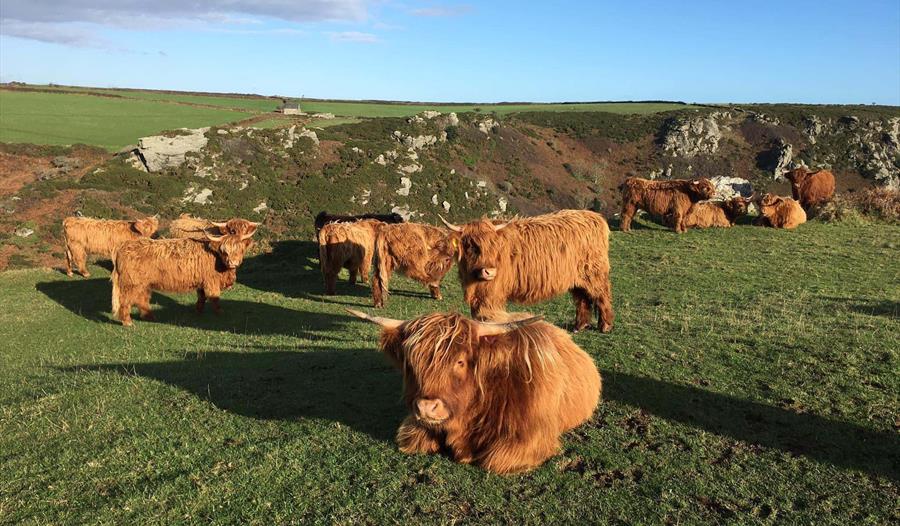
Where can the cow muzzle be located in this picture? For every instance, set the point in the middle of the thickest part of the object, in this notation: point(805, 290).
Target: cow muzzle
point(487, 274)
point(431, 411)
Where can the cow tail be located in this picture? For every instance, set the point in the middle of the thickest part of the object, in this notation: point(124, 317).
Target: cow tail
point(114, 277)
point(323, 252)
point(381, 275)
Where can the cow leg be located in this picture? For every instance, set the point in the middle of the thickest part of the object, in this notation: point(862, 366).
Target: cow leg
point(520, 456)
point(414, 439)
point(603, 301)
point(201, 300)
point(68, 261)
point(126, 299)
point(79, 255)
point(435, 290)
point(628, 211)
point(330, 282)
point(353, 271)
point(214, 301)
point(143, 305)
point(364, 268)
point(380, 284)
point(582, 309)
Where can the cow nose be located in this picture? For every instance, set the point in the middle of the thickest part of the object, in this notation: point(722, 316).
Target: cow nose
point(431, 409)
point(488, 273)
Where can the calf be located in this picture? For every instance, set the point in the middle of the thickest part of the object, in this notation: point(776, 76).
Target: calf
point(497, 395)
point(811, 188)
point(421, 252)
point(722, 214)
point(780, 212)
point(85, 236)
point(175, 265)
point(533, 259)
point(662, 198)
point(347, 245)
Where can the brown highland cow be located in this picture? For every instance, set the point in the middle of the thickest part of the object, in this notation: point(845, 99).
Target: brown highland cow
point(662, 198)
point(190, 227)
point(85, 236)
point(497, 395)
point(350, 246)
point(780, 212)
point(175, 265)
point(421, 252)
point(811, 188)
point(533, 259)
point(323, 218)
point(723, 214)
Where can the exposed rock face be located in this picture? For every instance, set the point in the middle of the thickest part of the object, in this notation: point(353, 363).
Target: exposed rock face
point(309, 133)
point(696, 136)
point(404, 212)
point(446, 206)
point(386, 157)
point(260, 208)
point(159, 152)
point(325, 116)
point(405, 185)
point(487, 125)
point(878, 151)
point(192, 195)
point(783, 155)
point(728, 187)
point(419, 142)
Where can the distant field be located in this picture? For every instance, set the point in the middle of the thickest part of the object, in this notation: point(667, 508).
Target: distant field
point(50, 118)
point(376, 109)
point(256, 104)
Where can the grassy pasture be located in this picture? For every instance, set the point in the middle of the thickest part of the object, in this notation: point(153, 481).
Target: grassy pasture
point(751, 378)
point(111, 123)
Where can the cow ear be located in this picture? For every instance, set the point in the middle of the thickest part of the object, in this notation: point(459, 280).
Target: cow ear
point(252, 230)
point(484, 328)
point(386, 323)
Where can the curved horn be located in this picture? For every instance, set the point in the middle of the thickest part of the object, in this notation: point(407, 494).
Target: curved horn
point(211, 237)
point(450, 225)
point(387, 323)
point(218, 224)
point(498, 228)
point(485, 328)
point(247, 236)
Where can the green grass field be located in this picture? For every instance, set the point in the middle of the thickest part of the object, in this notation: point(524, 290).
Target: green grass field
point(375, 109)
point(751, 378)
point(51, 118)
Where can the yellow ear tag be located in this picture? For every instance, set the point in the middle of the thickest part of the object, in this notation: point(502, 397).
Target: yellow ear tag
point(454, 242)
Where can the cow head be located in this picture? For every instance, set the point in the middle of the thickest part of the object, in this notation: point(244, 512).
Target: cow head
point(146, 227)
point(236, 226)
point(737, 206)
point(797, 175)
point(480, 247)
point(702, 189)
point(230, 248)
point(447, 361)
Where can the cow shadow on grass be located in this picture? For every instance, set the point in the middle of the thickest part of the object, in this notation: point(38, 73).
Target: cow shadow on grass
point(871, 307)
point(355, 387)
point(91, 298)
point(841, 444)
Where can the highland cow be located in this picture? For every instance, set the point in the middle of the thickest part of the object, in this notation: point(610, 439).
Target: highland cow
point(85, 236)
point(780, 212)
point(496, 395)
point(175, 265)
point(723, 214)
point(811, 188)
point(350, 246)
point(533, 259)
point(662, 198)
point(324, 218)
point(190, 227)
point(421, 252)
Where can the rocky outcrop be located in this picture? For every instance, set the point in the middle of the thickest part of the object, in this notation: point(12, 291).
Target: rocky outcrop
point(782, 155)
point(728, 187)
point(158, 152)
point(694, 136)
point(487, 126)
point(878, 151)
point(405, 185)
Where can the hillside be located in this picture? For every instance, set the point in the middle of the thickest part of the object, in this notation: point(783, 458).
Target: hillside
point(460, 164)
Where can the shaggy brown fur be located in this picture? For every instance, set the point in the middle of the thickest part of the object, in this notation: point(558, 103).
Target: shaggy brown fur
point(499, 401)
point(811, 188)
point(324, 218)
point(190, 227)
point(174, 265)
point(536, 258)
point(85, 236)
point(421, 252)
point(347, 245)
point(662, 198)
point(780, 212)
point(722, 214)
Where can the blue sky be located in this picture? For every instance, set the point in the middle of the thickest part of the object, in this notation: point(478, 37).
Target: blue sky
point(701, 51)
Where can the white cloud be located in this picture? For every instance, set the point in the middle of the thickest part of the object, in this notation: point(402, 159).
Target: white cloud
point(74, 35)
point(353, 36)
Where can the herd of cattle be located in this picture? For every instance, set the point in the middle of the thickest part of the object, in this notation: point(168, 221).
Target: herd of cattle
point(497, 389)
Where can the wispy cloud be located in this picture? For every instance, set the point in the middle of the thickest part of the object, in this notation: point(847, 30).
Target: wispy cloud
point(353, 36)
point(73, 35)
point(443, 10)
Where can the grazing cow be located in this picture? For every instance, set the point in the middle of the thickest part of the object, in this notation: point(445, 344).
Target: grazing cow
point(347, 245)
point(85, 236)
point(190, 227)
point(811, 188)
point(780, 212)
point(497, 395)
point(533, 259)
point(662, 198)
point(175, 265)
point(324, 218)
point(421, 252)
point(722, 214)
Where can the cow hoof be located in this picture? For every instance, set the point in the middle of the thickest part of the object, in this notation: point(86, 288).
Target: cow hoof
point(127, 323)
point(606, 328)
point(580, 328)
point(87, 274)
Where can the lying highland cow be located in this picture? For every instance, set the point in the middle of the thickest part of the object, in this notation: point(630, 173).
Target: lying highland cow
point(662, 198)
point(533, 259)
point(723, 214)
point(175, 265)
point(420, 252)
point(85, 236)
point(347, 245)
point(324, 218)
point(189, 227)
point(780, 212)
point(811, 188)
point(497, 395)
